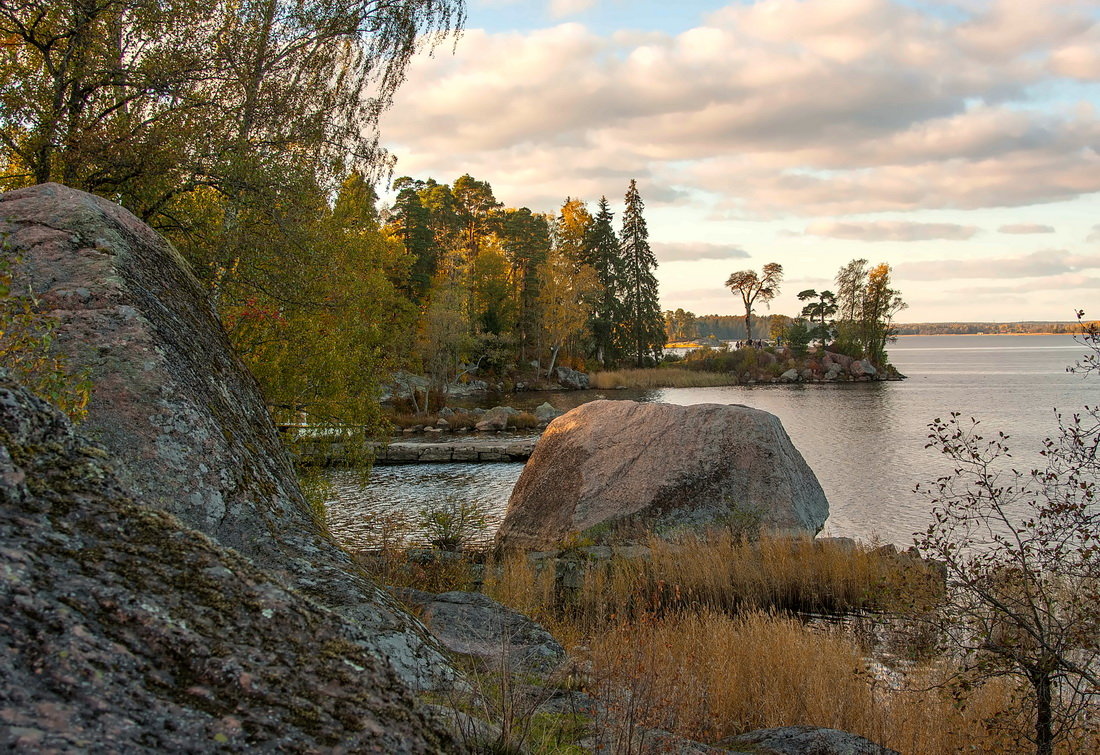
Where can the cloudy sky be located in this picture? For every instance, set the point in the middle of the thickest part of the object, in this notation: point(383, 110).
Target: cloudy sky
point(957, 140)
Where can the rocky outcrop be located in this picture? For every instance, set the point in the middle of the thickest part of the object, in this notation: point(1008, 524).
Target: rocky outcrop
point(803, 740)
point(179, 412)
point(121, 630)
point(572, 379)
point(614, 468)
point(474, 624)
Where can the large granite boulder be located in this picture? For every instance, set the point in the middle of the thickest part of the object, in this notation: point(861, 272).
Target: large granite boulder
point(615, 469)
point(179, 412)
point(122, 630)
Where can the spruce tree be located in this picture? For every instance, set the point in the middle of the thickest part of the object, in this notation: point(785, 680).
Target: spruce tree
point(643, 332)
point(602, 253)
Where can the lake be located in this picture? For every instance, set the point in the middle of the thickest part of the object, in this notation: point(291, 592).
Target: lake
point(864, 441)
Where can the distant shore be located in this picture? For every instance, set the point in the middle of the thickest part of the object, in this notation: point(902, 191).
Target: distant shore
point(927, 335)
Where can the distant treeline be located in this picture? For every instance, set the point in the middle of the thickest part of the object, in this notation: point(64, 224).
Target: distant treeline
point(732, 327)
point(991, 328)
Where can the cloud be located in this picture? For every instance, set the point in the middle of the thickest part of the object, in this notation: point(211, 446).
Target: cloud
point(1095, 235)
point(1062, 282)
point(1043, 264)
point(696, 250)
point(1025, 228)
point(774, 108)
point(891, 230)
point(565, 8)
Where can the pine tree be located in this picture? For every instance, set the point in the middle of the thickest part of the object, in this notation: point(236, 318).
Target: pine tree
point(602, 253)
point(643, 331)
point(410, 222)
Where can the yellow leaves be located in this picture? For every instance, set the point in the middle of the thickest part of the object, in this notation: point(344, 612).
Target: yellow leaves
point(26, 349)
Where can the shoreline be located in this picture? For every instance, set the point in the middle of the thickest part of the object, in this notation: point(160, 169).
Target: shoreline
point(938, 335)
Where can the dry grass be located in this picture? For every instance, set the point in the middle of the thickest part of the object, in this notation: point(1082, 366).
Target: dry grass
point(659, 377)
point(721, 572)
point(697, 639)
point(707, 676)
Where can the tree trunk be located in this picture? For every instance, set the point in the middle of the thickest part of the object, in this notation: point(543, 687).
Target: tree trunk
point(553, 359)
point(1044, 737)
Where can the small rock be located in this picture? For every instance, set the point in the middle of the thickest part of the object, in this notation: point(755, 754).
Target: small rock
point(496, 419)
point(474, 624)
point(799, 740)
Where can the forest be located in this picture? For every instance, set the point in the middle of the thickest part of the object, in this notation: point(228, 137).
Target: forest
point(247, 134)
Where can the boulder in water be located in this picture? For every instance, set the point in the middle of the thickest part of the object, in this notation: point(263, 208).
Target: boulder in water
point(615, 468)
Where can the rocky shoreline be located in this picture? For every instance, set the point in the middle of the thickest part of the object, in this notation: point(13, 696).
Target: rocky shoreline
point(165, 584)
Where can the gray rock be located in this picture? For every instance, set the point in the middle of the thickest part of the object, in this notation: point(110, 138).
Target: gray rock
point(126, 631)
point(790, 376)
point(861, 368)
point(804, 740)
point(842, 360)
point(546, 412)
point(621, 465)
point(474, 624)
point(572, 379)
point(177, 409)
point(496, 419)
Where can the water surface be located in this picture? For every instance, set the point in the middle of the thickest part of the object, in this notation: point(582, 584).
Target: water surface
point(864, 441)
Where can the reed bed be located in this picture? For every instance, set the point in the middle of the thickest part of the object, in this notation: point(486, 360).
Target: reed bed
point(659, 377)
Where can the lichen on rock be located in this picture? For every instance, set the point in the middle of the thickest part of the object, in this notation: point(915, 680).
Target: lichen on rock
point(181, 416)
point(122, 630)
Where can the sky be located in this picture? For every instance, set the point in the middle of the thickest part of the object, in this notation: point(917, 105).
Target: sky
point(956, 140)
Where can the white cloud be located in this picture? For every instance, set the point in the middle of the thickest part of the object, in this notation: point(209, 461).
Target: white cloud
point(891, 230)
point(803, 107)
point(1042, 264)
point(1025, 228)
point(698, 250)
point(566, 8)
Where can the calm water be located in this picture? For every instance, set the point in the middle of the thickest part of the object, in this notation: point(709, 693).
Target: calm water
point(864, 441)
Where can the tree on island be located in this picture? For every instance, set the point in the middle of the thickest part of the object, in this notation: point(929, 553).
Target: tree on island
point(819, 308)
point(866, 306)
point(756, 288)
point(643, 329)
